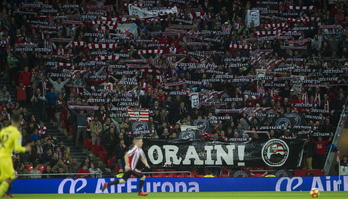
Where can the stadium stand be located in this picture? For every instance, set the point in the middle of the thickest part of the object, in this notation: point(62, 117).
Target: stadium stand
point(252, 69)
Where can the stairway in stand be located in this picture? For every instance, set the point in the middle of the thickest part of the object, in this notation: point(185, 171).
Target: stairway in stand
point(75, 152)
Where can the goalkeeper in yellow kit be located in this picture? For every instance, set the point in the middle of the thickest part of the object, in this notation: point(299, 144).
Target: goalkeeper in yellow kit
point(10, 140)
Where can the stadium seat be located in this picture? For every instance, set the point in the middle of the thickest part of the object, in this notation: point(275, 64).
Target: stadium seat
point(87, 143)
point(71, 130)
point(95, 149)
point(224, 175)
point(63, 124)
point(110, 161)
point(186, 175)
point(41, 167)
point(159, 170)
point(29, 168)
point(117, 167)
point(305, 172)
point(170, 175)
point(103, 155)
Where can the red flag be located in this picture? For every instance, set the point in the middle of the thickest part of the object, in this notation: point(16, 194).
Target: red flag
point(338, 156)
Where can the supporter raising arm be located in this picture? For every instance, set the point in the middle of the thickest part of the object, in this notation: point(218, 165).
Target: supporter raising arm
point(59, 84)
point(81, 122)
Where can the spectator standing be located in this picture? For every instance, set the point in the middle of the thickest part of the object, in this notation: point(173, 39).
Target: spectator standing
point(109, 140)
point(21, 95)
point(25, 79)
point(12, 69)
point(320, 149)
point(81, 121)
point(51, 100)
point(5, 96)
point(96, 130)
point(120, 151)
point(59, 84)
point(38, 100)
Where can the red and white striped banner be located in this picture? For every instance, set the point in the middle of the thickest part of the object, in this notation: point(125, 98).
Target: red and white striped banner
point(115, 19)
point(236, 46)
point(140, 52)
point(107, 57)
point(125, 19)
point(106, 28)
point(330, 27)
point(300, 7)
point(76, 44)
point(98, 46)
point(198, 14)
point(64, 64)
point(113, 23)
point(276, 25)
point(138, 114)
point(299, 41)
point(83, 107)
point(207, 94)
point(73, 22)
point(135, 4)
point(304, 19)
point(274, 32)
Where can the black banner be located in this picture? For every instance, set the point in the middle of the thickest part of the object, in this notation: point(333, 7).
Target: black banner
point(255, 153)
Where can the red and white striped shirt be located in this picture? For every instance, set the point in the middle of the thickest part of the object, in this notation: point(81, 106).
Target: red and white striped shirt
point(42, 130)
point(133, 157)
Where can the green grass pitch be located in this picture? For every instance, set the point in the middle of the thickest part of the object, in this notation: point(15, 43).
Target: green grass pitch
point(201, 195)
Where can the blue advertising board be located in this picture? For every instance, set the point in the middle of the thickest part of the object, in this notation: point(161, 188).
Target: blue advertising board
point(93, 185)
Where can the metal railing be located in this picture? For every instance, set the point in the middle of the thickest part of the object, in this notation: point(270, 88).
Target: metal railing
point(94, 174)
point(330, 159)
point(182, 172)
point(57, 174)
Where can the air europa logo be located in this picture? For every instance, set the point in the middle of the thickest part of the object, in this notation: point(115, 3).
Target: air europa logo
point(275, 153)
point(73, 183)
point(289, 185)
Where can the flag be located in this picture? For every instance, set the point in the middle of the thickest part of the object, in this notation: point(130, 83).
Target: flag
point(338, 156)
point(138, 114)
point(129, 28)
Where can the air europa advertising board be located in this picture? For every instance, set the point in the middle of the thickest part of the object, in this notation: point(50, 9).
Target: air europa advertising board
point(94, 185)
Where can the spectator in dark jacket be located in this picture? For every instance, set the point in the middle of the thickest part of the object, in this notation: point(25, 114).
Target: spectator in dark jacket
point(81, 121)
point(47, 156)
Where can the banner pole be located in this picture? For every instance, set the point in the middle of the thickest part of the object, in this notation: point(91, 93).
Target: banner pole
point(339, 170)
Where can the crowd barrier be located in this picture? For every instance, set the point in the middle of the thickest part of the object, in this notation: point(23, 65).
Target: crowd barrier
point(93, 185)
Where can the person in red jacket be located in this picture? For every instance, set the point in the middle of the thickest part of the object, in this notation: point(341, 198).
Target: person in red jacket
point(25, 78)
point(21, 94)
point(277, 97)
point(84, 172)
point(320, 150)
point(298, 101)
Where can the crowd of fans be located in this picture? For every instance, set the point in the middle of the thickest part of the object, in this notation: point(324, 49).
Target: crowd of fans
point(82, 65)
